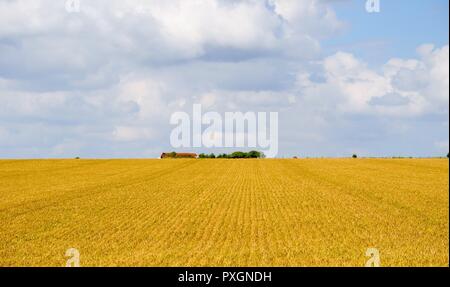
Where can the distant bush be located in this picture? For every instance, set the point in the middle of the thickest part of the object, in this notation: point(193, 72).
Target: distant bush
point(240, 154)
point(354, 156)
point(255, 154)
point(173, 155)
point(224, 155)
point(235, 155)
point(202, 155)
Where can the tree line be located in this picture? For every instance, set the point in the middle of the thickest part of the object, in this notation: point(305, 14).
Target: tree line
point(237, 154)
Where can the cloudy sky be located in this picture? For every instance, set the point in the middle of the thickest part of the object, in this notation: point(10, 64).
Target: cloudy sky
point(104, 82)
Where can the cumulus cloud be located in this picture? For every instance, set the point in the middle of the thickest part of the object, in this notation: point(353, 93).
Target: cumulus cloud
point(104, 82)
point(124, 133)
point(412, 87)
point(41, 41)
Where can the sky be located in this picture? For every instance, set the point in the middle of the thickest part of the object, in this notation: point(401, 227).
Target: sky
point(104, 81)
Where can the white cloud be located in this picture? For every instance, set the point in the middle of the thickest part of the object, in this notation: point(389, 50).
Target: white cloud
point(99, 81)
point(39, 39)
point(126, 133)
point(197, 24)
point(411, 87)
point(145, 94)
point(309, 17)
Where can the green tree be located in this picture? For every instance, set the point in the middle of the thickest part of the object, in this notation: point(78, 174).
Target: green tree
point(237, 154)
point(254, 154)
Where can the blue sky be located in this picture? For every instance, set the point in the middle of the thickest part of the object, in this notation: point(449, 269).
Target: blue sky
point(104, 81)
point(397, 31)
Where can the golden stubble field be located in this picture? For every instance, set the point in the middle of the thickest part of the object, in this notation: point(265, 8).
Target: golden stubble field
point(317, 212)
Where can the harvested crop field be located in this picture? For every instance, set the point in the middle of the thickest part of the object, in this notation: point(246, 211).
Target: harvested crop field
point(316, 212)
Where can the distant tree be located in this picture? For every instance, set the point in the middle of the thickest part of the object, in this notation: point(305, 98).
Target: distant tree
point(77, 157)
point(173, 154)
point(254, 154)
point(237, 154)
point(355, 156)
